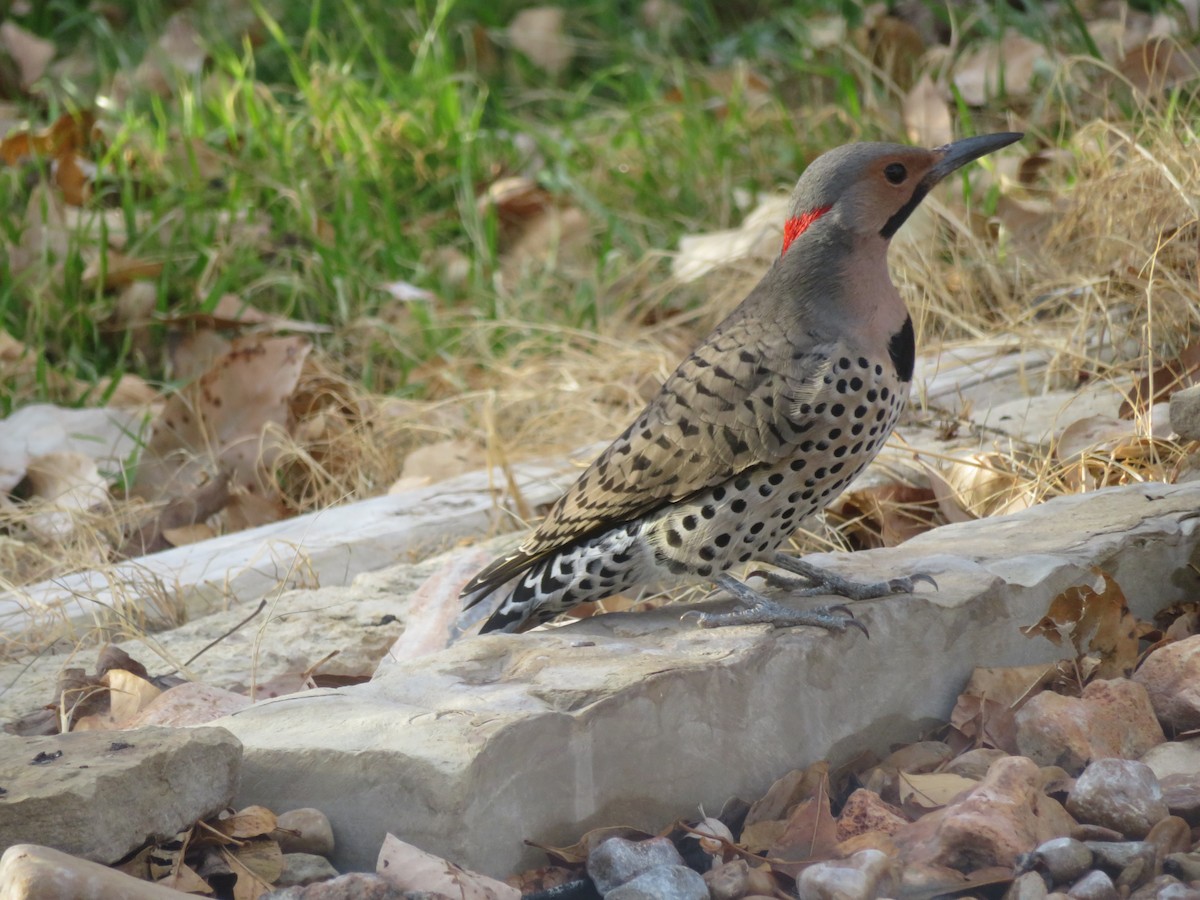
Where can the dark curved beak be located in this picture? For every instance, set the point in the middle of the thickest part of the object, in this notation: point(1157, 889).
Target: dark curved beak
point(956, 155)
point(950, 158)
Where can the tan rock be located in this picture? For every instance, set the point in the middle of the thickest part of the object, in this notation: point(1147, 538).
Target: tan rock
point(1112, 719)
point(30, 872)
point(1171, 676)
point(1005, 816)
point(865, 812)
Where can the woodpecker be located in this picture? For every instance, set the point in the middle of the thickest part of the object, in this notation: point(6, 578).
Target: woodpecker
point(767, 421)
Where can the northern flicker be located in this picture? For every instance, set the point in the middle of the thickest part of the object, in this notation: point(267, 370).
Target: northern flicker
point(768, 420)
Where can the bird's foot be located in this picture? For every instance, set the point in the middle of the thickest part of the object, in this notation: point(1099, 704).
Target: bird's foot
point(815, 582)
point(757, 609)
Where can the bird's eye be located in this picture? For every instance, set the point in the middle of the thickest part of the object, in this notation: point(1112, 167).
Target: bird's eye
point(895, 173)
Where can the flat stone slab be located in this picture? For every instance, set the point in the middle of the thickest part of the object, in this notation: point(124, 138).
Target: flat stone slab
point(637, 718)
point(102, 794)
point(323, 548)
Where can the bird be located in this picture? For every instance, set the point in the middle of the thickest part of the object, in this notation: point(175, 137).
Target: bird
point(767, 420)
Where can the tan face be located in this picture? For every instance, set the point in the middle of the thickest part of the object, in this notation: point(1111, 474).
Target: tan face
point(888, 184)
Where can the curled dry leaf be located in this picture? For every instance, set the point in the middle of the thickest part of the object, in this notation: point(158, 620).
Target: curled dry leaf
point(224, 420)
point(129, 694)
point(409, 868)
point(1093, 622)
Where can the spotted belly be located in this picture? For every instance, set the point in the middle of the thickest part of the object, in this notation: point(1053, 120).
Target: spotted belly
point(751, 515)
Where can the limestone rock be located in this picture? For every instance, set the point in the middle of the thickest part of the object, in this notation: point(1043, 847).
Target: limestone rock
point(1171, 676)
point(457, 746)
point(150, 782)
point(1121, 794)
point(30, 872)
point(1112, 718)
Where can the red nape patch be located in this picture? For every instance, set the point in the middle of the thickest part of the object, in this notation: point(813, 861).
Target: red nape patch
point(793, 228)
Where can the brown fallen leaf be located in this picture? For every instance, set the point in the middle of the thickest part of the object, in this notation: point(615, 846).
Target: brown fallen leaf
point(224, 421)
point(1158, 386)
point(1095, 623)
point(187, 511)
point(69, 483)
point(919, 793)
point(114, 269)
point(129, 694)
point(809, 836)
point(1158, 65)
point(231, 311)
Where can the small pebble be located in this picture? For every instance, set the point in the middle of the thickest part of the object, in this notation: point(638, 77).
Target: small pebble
point(1030, 886)
point(662, 883)
point(618, 861)
point(1063, 859)
point(1114, 856)
point(305, 868)
point(1121, 794)
point(315, 832)
point(728, 881)
point(858, 877)
point(1094, 885)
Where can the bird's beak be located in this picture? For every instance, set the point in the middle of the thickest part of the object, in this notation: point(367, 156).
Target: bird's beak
point(956, 155)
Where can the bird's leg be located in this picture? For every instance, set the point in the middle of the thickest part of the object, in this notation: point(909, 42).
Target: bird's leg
point(814, 581)
point(758, 609)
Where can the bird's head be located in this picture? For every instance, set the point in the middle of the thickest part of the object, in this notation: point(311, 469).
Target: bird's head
point(871, 189)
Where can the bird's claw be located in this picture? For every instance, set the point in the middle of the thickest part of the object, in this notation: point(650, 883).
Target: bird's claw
point(907, 585)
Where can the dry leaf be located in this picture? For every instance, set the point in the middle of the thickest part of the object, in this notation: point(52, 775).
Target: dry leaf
point(926, 114)
point(810, 834)
point(409, 868)
point(116, 269)
point(1004, 67)
point(538, 33)
point(69, 483)
point(31, 53)
point(445, 459)
point(1093, 623)
point(578, 852)
point(1165, 380)
point(128, 695)
point(250, 885)
point(251, 822)
point(231, 311)
point(923, 792)
point(224, 420)
point(1159, 64)
point(179, 50)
